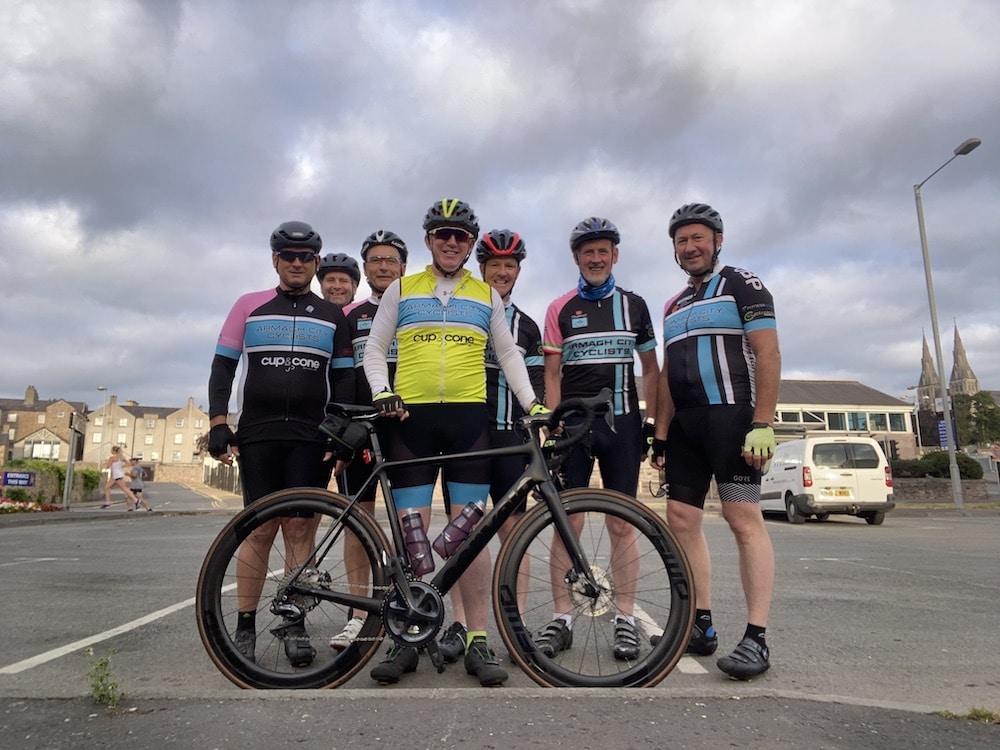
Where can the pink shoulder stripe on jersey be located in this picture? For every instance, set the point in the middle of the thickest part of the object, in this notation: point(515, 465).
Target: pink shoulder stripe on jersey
point(230, 342)
point(552, 339)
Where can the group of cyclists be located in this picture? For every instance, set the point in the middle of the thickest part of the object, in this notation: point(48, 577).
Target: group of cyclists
point(454, 363)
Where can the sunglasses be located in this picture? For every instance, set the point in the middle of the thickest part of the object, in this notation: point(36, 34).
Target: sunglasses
point(302, 256)
point(446, 234)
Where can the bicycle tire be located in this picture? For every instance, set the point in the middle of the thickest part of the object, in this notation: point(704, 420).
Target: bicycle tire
point(216, 600)
point(663, 596)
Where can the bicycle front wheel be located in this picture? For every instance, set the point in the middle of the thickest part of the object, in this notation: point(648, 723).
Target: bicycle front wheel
point(321, 555)
point(640, 569)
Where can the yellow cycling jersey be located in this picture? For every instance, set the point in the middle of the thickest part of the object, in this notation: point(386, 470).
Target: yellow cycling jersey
point(441, 347)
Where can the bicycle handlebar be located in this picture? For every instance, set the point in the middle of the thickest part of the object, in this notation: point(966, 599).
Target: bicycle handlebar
point(589, 407)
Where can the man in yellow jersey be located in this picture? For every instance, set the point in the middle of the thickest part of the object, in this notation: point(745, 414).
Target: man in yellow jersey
point(441, 319)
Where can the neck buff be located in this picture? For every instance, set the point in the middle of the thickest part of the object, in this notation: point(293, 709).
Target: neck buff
point(590, 292)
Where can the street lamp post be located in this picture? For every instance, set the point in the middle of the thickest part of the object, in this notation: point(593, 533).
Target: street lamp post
point(956, 483)
point(104, 424)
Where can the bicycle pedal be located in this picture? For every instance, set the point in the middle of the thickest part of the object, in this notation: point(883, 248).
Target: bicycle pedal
point(434, 652)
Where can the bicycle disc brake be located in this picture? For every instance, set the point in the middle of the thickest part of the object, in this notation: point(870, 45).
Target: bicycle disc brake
point(417, 626)
point(589, 602)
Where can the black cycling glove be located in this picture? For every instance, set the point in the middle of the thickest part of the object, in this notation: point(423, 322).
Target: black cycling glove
point(220, 438)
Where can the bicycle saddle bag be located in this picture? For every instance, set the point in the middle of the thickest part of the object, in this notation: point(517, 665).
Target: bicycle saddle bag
point(348, 436)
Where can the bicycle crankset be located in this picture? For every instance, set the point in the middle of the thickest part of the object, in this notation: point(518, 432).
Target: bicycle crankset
point(416, 626)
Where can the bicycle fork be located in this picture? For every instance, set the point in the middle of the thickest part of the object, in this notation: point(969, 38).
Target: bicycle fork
point(580, 573)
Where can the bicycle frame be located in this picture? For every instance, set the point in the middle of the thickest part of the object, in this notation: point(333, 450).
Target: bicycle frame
point(536, 476)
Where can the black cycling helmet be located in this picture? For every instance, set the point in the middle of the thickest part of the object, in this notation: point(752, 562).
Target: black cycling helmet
point(383, 237)
point(451, 212)
point(500, 243)
point(339, 262)
point(594, 228)
point(695, 213)
point(293, 234)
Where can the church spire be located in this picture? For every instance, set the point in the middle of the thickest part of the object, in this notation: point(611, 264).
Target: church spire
point(963, 379)
point(927, 388)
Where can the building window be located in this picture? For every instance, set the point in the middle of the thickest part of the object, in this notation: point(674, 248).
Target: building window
point(12, 417)
point(154, 456)
point(897, 423)
point(836, 420)
point(96, 438)
point(811, 417)
point(177, 457)
point(879, 421)
point(789, 416)
point(123, 422)
point(150, 424)
point(148, 440)
point(40, 419)
point(44, 449)
point(179, 438)
point(857, 420)
point(121, 438)
point(179, 422)
point(99, 421)
point(60, 414)
point(199, 423)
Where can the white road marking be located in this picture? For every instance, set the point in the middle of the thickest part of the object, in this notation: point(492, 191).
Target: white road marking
point(76, 646)
point(28, 560)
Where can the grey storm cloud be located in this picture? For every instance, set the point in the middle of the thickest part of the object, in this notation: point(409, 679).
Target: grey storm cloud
point(149, 148)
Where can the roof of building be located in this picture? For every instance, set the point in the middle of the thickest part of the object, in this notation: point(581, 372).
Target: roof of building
point(834, 392)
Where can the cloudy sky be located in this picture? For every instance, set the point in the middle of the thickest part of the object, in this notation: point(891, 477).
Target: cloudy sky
point(148, 149)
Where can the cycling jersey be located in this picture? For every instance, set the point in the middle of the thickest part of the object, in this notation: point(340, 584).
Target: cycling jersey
point(441, 344)
point(503, 407)
point(597, 341)
point(295, 353)
point(359, 317)
point(704, 338)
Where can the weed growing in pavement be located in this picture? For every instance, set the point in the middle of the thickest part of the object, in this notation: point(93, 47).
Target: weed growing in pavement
point(103, 687)
point(976, 713)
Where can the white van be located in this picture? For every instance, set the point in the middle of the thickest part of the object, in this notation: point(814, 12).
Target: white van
point(817, 476)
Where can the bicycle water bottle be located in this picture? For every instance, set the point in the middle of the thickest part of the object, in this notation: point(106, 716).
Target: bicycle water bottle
point(417, 544)
point(458, 528)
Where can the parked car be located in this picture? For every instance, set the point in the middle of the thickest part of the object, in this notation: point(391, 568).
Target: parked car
point(817, 476)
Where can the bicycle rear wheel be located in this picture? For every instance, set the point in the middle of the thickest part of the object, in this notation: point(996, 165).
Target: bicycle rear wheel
point(645, 574)
point(319, 589)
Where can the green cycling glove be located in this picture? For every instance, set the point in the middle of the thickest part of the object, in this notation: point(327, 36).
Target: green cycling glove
point(760, 442)
point(538, 409)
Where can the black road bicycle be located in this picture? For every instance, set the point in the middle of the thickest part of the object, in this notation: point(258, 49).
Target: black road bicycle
point(658, 589)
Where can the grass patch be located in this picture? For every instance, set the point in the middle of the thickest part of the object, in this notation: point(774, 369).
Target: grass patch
point(976, 713)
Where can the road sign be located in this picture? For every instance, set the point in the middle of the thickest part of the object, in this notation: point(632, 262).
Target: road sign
point(19, 479)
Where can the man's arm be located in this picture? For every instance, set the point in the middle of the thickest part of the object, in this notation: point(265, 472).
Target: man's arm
point(220, 388)
point(380, 337)
point(767, 373)
point(553, 378)
point(650, 381)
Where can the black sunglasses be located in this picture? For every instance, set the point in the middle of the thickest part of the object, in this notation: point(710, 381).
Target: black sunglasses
point(302, 256)
point(448, 233)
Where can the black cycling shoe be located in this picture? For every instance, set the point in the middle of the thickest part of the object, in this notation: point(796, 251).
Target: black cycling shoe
point(747, 660)
point(701, 643)
point(245, 641)
point(555, 638)
point(626, 640)
point(482, 662)
point(299, 651)
point(452, 643)
point(399, 660)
